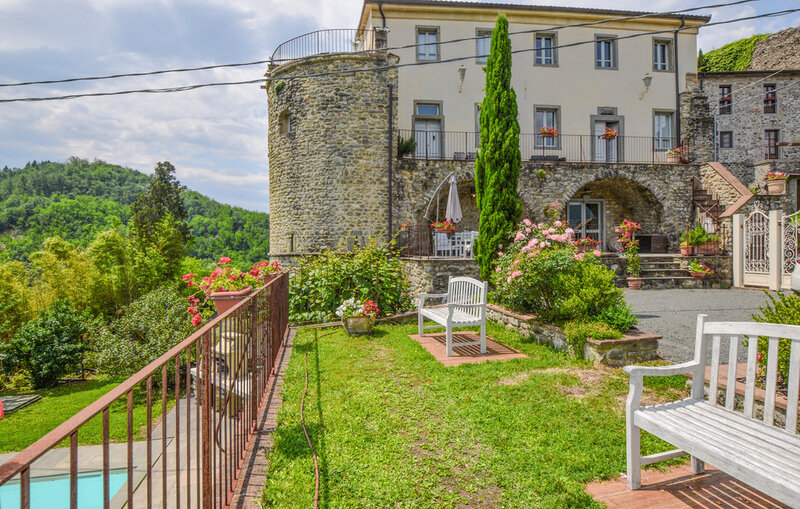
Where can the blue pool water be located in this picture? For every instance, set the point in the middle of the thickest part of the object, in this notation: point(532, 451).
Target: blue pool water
point(53, 492)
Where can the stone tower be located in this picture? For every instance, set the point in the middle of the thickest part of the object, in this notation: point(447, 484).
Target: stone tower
point(328, 152)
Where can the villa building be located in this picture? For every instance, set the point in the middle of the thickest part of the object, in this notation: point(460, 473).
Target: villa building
point(367, 125)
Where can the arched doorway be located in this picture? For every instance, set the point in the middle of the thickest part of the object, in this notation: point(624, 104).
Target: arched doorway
point(596, 208)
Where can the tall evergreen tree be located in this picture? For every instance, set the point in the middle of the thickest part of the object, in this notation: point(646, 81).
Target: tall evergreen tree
point(162, 198)
point(498, 163)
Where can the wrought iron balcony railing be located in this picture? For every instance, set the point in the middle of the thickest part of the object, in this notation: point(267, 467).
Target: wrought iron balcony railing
point(337, 40)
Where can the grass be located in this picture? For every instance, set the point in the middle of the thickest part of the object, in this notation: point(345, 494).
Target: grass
point(27, 425)
point(394, 428)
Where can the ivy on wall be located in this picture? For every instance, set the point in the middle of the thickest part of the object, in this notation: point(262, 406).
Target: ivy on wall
point(735, 56)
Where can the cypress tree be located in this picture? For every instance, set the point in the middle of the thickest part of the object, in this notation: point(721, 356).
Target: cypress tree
point(498, 162)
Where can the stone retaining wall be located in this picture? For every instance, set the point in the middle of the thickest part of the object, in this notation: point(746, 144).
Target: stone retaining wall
point(634, 347)
point(430, 275)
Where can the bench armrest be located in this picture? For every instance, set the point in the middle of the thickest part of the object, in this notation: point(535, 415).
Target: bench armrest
point(424, 296)
point(455, 304)
point(677, 369)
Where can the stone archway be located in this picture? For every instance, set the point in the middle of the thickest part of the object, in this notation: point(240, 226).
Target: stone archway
point(617, 198)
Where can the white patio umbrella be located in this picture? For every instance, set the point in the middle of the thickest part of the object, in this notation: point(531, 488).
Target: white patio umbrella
point(453, 211)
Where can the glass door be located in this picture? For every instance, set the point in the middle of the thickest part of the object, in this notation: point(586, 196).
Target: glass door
point(586, 218)
point(427, 134)
point(605, 150)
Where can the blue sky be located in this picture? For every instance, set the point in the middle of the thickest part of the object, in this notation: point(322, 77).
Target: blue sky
point(215, 137)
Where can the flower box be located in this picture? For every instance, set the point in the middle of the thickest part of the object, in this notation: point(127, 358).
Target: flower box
point(776, 186)
point(673, 158)
point(223, 301)
point(709, 248)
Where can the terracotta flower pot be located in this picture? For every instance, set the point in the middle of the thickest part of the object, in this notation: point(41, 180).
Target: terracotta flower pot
point(359, 325)
point(635, 283)
point(223, 301)
point(673, 158)
point(687, 250)
point(709, 248)
point(776, 186)
point(609, 136)
point(698, 275)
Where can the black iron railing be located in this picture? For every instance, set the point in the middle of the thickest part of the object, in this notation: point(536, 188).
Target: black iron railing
point(463, 145)
point(210, 390)
point(337, 40)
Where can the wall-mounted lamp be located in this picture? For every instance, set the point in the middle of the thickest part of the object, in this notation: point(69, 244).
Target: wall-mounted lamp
point(462, 73)
point(647, 80)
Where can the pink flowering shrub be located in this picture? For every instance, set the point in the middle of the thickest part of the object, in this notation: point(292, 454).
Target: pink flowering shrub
point(544, 272)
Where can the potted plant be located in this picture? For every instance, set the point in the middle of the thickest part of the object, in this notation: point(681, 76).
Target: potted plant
point(686, 248)
point(630, 248)
point(609, 134)
point(406, 146)
point(358, 319)
point(692, 239)
point(587, 245)
point(548, 132)
point(226, 285)
point(444, 226)
point(710, 246)
point(699, 270)
point(674, 155)
point(776, 182)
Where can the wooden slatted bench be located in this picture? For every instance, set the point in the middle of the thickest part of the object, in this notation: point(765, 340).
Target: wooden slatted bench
point(755, 451)
point(464, 306)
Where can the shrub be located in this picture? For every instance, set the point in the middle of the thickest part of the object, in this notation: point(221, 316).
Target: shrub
point(148, 327)
point(783, 309)
point(542, 273)
point(49, 347)
point(578, 331)
point(321, 283)
point(406, 146)
point(620, 317)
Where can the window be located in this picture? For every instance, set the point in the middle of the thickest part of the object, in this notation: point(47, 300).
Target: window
point(427, 40)
point(427, 109)
point(605, 52)
point(771, 148)
point(662, 55)
point(770, 99)
point(726, 139)
point(484, 45)
point(285, 123)
point(725, 100)
point(662, 131)
point(546, 116)
point(545, 53)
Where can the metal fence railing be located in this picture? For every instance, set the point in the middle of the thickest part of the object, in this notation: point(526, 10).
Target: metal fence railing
point(210, 390)
point(463, 145)
point(336, 40)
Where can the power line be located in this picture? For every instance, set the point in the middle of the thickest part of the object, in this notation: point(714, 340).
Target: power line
point(392, 48)
point(378, 68)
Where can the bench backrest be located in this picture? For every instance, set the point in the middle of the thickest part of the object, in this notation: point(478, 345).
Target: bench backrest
point(737, 335)
point(466, 290)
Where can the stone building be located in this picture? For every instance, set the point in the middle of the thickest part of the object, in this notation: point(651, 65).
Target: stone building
point(335, 172)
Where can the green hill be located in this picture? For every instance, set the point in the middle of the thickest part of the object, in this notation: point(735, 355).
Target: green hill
point(77, 199)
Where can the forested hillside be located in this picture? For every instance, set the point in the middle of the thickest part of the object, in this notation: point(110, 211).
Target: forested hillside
point(78, 199)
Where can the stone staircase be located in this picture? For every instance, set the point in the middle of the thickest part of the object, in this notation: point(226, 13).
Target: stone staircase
point(660, 271)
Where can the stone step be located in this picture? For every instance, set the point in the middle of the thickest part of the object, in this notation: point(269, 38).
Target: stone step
point(673, 282)
point(676, 272)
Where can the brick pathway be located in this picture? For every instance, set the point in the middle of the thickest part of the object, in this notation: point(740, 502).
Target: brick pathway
point(254, 469)
point(435, 344)
point(679, 488)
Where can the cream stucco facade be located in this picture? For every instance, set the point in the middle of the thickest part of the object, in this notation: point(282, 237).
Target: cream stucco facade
point(578, 94)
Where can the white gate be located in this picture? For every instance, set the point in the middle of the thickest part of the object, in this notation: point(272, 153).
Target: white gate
point(791, 230)
point(756, 250)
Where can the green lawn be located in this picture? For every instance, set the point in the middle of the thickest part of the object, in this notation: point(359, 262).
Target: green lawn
point(394, 428)
point(25, 426)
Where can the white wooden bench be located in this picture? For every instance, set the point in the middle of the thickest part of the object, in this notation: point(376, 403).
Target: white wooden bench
point(464, 306)
point(755, 451)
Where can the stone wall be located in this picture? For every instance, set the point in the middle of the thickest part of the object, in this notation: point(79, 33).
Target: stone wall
point(697, 123)
point(430, 275)
point(778, 51)
point(747, 119)
point(328, 163)
point(657, 195)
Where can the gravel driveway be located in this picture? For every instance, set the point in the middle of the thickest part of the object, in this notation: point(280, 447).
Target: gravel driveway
point(673, 314)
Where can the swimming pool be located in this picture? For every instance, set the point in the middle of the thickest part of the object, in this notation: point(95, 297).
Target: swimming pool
point(53, 492)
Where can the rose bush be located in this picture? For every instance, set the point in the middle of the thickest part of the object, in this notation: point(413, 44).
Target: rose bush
point(543, 272)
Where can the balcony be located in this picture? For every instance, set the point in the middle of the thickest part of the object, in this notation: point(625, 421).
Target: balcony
point(337, 40)
point(574, 148)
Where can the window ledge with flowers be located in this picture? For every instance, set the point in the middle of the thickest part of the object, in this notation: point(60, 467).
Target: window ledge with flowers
point(554, 288)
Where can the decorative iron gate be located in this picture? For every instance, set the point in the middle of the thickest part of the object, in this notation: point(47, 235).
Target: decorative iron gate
point(756, 249)
point(791, 231)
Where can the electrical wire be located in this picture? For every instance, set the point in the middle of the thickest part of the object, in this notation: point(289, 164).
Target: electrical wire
point(379, 68)
point(391, 48)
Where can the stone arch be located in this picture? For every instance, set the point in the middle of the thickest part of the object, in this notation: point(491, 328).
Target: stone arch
point(631, 175)
point(462, 177)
